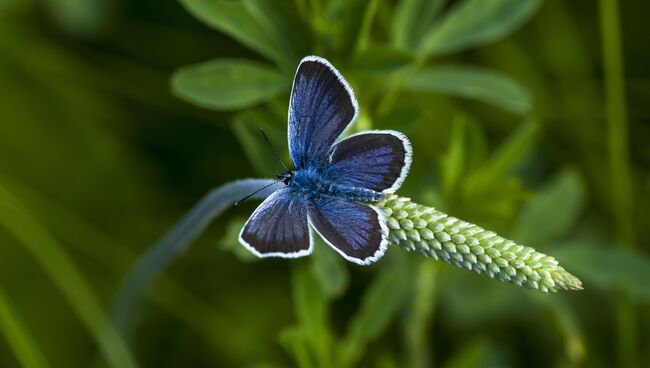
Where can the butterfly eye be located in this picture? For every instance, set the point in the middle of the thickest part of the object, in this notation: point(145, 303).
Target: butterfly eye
point(285, 177)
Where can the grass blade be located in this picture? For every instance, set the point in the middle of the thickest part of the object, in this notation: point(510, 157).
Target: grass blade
point(176, 241)
point(18, 338)
point(56, 263)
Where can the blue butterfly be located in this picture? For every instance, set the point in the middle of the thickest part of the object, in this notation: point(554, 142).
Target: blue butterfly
point(333, 183)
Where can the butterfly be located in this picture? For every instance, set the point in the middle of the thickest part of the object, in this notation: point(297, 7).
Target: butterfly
point(334, 181)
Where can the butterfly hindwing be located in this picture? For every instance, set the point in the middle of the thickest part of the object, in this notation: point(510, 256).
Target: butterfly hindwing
point(321, 106)
point(375, 160)
point(278, 227)
point(356, 230)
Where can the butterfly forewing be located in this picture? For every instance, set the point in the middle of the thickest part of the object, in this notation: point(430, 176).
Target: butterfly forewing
point(322, 105)
point(376, 160)
point(355, 230)
point(278, 227)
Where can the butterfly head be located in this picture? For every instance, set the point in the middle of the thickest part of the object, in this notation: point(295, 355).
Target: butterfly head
point(285, 177)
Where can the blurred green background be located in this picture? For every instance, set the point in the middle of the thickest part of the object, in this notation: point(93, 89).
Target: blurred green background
point(530, 118)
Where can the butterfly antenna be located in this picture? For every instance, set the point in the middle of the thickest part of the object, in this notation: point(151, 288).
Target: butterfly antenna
point(255, 192)
point(277, 155)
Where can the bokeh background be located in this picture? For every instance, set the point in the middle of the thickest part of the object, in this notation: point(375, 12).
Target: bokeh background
point(530, 118)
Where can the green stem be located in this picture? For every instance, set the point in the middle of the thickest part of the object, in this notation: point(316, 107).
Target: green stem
point(177, 239)
point(418, 323)
point(617, 129)
point(620, 172)
point(364, 34)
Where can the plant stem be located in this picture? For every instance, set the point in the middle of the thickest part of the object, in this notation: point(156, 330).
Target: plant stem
point(177, 239)
point(418, 323)
point(620, 172)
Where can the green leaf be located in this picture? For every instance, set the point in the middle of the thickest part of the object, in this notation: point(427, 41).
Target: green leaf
point(294, 339)
point(476, 22)
point(412, 19)
point(507, 156)
point(552, 211)
point(232, 18)
point(280, 20)
point(312, 310)
point(227, 84)
point(344, 23)
point(608, 267)
point(246, 127)
point(379, 306)
point(19, 339)
point(380, 59)
point(476, 83)
point(329, 270)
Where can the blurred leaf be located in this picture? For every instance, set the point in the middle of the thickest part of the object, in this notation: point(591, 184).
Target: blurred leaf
point(476, 22)
point(505, 158)
point(405, 116)
point(227, 84)
point(246, 126)
point(552, 211)
point(312, 309)
point(380, 59)
point(477, 146)
point(343, 24)
point(281, 20)
point(230, 241)
point(18, 338)
point(453, 162)
point(363, 39)
point(412, 19)
point(471, 301)
point(568, 323)
point(329, 270)
point(79, 17)
point(65, 275)
point(295, 341)
point(476, 83)
point(608, 267)
point(478, 353)
point(232, 18)
point(379, 306)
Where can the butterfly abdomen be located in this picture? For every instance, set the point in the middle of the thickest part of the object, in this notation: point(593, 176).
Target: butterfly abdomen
point(314, 184)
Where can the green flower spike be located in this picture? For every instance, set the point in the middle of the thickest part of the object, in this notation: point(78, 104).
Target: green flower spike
point(435, 234)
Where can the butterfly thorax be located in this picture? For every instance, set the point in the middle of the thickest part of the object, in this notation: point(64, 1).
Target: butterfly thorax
point(314, 183)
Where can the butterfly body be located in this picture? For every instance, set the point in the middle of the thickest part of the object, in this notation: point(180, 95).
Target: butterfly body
point(317, 183)
point(334, 181)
